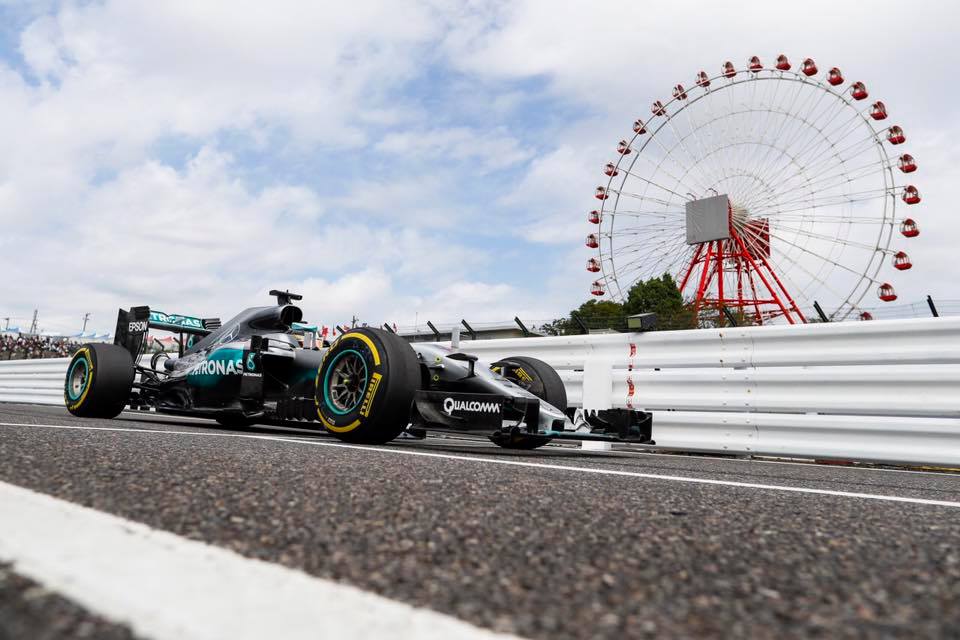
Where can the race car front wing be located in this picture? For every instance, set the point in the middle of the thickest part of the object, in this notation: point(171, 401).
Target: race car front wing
point(490, 413)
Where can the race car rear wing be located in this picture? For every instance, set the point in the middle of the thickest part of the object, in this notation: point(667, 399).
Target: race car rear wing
point(132, 327)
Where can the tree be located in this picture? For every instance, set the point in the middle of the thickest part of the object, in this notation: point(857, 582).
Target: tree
point(657, 295)
point(594, 314)
point(602, 314)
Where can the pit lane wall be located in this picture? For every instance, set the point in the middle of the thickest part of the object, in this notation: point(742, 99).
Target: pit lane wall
point(880, 391)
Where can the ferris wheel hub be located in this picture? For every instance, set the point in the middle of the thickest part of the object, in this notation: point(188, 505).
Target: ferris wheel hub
point(708, 219)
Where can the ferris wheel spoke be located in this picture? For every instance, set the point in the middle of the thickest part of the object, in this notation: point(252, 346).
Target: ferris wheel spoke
point(775, 170)
point(713, 168)
point(695, 174)
point(773, 213)
point(808, 251)
point(666, 242)
point(708, 126)
point(651, 182)
point(637, 228)
point(825, 178)
point(820, 236)
point(671, 243)
point(681, 140)
point(788, 120)
point(793, 123)
point(652, 260)
point(638, 231)
point(803, 125)
point(820, 113)
point(825, 185)
point(657, 169)
point(662, 213)
point(818, 278)
point(765, 179)
point(862, 196)
point(839, 153)
point(729, 129)
point(825, 219)
point(668, 153)
point(638, 196)
point(755, 243)
point(768, 111)
point(772, 166)
point(819, 121)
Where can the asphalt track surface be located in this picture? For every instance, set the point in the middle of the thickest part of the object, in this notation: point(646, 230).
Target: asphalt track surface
point(556, 543)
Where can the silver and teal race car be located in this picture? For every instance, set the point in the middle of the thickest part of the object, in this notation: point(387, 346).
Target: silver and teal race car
point(265, 366)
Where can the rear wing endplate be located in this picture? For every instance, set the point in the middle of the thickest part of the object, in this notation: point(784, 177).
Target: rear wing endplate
point(132, 327)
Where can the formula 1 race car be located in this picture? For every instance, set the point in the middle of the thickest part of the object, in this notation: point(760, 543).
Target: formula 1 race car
point(369, 386)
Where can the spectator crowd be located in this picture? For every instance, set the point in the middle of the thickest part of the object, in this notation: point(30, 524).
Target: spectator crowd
point(22, 347)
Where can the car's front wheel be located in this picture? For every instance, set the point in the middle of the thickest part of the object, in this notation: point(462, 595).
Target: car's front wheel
point(365, 386)
point(540, 379)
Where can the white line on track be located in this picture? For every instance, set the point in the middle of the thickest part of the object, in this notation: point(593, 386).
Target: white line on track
point(516, 463)
point(144, 416)
point(168, 587)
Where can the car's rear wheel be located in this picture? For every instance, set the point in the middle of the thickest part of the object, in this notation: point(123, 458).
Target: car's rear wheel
point(365, 386)
point(99, 380)
point(540, 379)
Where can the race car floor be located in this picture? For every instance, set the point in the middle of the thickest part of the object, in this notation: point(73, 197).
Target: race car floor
point(554, 543)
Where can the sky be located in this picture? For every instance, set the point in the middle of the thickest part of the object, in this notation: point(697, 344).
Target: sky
point(395, 161)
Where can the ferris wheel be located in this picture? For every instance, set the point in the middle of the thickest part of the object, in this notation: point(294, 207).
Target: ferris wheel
point(768, 191)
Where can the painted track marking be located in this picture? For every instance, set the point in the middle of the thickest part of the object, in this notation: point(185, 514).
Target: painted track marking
point(165, 586)
point(516, 463)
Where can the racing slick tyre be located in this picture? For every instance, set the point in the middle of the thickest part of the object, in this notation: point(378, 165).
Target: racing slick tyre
point(540, 379)
point(99, 380)
point(365, 386)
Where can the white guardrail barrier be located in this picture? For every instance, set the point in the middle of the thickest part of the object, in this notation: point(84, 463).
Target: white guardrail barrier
point(880, 391)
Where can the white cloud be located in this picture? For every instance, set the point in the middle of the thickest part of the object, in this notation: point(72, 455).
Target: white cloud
point(492, 150)
point(538, 95)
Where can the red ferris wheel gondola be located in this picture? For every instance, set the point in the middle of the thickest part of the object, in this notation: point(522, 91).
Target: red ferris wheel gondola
point(901, 261)
point(910, 194)
point(886, 292)
point(909, 228)
point(878, 111)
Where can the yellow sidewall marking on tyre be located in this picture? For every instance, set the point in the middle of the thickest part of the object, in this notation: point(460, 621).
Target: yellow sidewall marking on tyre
point(367, 404)
point(369, 343)
point(332, 427)
point(87, 385)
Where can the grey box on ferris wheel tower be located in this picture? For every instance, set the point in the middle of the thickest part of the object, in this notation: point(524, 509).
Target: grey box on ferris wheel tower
point(708, 219)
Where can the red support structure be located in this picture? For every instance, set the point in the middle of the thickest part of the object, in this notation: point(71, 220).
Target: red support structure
point(763, 295)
